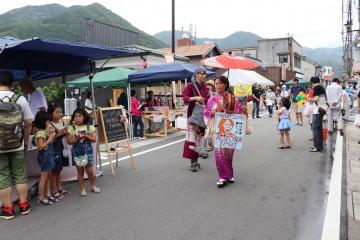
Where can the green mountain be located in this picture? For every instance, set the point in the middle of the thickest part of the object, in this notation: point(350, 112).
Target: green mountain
point(235, 40)
point(56, 21)
point(326, 57)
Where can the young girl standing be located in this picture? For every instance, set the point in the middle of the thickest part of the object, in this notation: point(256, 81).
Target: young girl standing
point(81, 135)
point(284, 123)
point(55, 112)
point(44, 138)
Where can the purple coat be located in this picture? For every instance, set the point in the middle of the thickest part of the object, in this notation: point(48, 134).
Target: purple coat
point(190, 91)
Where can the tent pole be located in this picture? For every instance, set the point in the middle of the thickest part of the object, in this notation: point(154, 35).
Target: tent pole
point(99, 172)
point(129, 110)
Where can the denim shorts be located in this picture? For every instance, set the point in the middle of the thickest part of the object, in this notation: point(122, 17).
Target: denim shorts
point(46, 160)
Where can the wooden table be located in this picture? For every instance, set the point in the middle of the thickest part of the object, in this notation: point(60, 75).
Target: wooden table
point(166, 118)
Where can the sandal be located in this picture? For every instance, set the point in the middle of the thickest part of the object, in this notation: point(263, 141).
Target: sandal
point(44, 202)
point(96, 190)
point(64, 192)
point(58, 196)
point(83, 194)
point(287, 146)
point(281, 147)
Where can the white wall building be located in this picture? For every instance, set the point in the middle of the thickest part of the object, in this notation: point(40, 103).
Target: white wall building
point(281, 52)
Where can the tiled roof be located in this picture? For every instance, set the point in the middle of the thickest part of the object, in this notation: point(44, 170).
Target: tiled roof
point(193, 50)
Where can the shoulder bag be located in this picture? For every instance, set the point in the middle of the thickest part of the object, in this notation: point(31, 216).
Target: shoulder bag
point(197, 116)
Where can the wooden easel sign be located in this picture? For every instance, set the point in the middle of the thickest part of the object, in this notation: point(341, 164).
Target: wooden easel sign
point(112, 130)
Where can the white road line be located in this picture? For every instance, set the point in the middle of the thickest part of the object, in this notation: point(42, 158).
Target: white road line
point(153, 149)
point(331, 227)
point(146, 151)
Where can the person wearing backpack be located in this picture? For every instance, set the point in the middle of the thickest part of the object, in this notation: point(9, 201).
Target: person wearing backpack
point(14, 114)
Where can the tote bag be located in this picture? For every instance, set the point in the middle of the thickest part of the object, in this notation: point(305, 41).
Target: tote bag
point(197, 116)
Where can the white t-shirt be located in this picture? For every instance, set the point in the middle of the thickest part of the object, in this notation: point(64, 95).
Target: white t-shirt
point(4, 95)
point(89, 104)
point(37, 100)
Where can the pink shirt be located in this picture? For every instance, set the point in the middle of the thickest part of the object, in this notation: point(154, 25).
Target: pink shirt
point(134, 107)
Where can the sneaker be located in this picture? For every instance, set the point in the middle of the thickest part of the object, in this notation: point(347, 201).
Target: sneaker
point(301, 123)
point(258, 117)
point(52, 199)
point(24, 207)
point(7, 213)
point(221, 183)
point(231, 180)
point(142, 138)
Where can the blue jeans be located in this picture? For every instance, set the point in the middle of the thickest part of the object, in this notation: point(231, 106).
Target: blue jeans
point(317, 130)
point(137, 120)
point(270, 109)
point(256, 106)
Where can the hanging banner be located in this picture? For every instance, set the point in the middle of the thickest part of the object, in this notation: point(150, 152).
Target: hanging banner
point(229, 130)
point(243, 90)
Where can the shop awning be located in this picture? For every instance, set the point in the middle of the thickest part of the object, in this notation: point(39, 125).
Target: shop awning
point(239, 77)
point(165, 72)
point(116, 77)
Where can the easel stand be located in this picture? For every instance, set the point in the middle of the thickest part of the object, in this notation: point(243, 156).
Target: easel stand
point(112, 132)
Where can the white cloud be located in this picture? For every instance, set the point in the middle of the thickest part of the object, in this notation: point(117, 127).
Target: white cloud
point(313, 23)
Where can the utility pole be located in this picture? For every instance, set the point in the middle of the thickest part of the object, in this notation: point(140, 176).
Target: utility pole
point(347, 37)
point(173, 29)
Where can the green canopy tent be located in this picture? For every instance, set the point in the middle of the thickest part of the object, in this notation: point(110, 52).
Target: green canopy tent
point(116, 77)
point(301, 82)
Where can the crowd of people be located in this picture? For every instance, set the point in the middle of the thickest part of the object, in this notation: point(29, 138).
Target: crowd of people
point(19, 118)
point(323, 108)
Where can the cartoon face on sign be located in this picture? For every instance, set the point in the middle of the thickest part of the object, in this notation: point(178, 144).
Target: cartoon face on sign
point(226, 126)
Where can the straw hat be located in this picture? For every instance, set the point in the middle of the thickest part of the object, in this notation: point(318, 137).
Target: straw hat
point(211, 82)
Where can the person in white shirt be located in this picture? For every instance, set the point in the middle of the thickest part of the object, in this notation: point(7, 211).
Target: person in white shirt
point(334, 94)
point(37, 100)
point(89, 106)
point(12, 152)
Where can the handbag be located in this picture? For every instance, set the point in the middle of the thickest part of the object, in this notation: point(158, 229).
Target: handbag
point(81, 161)
point(197, 116)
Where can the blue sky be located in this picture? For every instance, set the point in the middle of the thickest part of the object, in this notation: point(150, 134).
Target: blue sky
point(313, 23)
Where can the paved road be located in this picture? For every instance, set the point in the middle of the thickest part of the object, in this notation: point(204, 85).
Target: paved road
point(279, 194)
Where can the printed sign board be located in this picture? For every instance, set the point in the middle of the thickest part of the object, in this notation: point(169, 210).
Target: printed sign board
point(229, 130)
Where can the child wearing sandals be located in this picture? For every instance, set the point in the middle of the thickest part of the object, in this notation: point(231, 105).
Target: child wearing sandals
point(44, 137)
point(55, 112)
point(284, 123)
point(81, 135)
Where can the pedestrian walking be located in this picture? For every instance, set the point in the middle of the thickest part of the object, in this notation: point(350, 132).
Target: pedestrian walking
point(270, 101)
point(284, 125)
point(13, 146)
point(334, 94)
point(81, 135)
point(226, 102)
point(195, 93)
point(319, 99)
point(256, 97)
point(298, 109)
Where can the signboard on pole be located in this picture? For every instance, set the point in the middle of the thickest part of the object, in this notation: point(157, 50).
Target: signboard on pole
point(243, 90)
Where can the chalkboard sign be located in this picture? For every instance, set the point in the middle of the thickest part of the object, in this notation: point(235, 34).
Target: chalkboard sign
point(110, 125)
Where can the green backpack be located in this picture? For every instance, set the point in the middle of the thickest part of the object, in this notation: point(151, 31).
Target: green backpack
point(11, 122)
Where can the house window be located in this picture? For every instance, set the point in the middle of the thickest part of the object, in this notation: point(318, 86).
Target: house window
point(283, 58)
point(297, 62)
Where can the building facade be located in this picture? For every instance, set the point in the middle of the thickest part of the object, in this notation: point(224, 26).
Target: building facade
point(285, 53)
point(246, 52)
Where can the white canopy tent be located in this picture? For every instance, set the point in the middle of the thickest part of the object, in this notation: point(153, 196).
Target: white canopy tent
point(239, 76)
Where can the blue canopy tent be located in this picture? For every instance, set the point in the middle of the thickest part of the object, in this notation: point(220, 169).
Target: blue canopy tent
point(165, 72)
point(50, 55)
point(56, 57)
